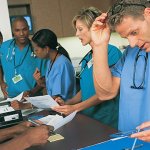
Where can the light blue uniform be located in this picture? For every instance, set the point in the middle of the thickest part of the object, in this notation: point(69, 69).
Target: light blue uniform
point(106, 112)
point(60, 80)
point(25, 65)
point(134, 106)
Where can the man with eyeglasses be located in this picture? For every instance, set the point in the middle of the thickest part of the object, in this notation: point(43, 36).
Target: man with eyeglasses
point(131, 19)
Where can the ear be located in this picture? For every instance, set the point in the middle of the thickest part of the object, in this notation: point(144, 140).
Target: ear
point(147, 12)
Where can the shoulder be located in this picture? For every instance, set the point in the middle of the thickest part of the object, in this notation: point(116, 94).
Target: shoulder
point(5, 45)
point(112, 48)
point(62, 63)
point(8, 42)
point(62, 60)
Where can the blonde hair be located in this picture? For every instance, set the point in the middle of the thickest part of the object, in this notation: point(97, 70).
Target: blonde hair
point(87, 15)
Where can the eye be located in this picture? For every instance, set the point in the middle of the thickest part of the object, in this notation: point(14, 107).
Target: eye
point(134, 33)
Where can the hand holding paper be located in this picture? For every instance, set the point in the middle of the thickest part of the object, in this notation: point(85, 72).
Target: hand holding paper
point(42, 101)
point(57, 121)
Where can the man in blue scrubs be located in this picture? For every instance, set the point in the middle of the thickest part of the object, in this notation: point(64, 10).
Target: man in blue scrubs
point(18, 62)
point(131, 73)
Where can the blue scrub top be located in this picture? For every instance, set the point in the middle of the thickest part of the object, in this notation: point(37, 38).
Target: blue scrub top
point(60, 80)
point(25, 65)
point(106, 112)
point(134, 107)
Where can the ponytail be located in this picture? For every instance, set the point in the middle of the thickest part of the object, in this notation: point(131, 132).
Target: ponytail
point(62, 51)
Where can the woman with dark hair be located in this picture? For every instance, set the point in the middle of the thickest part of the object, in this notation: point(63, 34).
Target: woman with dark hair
point(60, 76)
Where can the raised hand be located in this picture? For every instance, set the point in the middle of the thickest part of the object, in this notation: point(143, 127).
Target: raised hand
point(37, 74)
point(100, 32)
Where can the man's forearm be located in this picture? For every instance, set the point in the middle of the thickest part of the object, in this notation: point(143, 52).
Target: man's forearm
point(8, 133)
point(101, 72)
point(18, 143)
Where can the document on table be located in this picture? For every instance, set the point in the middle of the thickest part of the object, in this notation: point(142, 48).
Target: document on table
point(42, 102)
point(18, 98)
point(57, 121)
point(4, 109)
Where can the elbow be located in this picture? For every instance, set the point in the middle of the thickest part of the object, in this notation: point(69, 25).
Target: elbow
point(105, 97)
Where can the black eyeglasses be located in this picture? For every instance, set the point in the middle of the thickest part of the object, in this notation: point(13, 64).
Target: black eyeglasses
point(141, 85)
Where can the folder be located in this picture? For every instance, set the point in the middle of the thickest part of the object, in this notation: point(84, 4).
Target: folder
point(123, 143)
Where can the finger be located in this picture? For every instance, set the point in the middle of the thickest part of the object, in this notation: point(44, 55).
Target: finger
point(144, 125)
point(140, 134)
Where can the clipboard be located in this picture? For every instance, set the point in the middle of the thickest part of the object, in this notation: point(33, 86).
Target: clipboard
point(122, 143)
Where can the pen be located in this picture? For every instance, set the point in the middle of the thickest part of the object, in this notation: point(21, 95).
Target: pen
point(35, 123)
point(134, 141)
point(135, 147)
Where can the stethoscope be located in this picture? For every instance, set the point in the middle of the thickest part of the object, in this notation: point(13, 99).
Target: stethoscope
point(85, 65)
point(141, 85)
point(10, 54)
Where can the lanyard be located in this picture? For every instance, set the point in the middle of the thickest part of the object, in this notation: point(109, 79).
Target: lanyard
point(16, 66)
point(50, 68)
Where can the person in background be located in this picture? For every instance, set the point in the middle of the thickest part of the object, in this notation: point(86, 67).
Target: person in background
point(131, 19)
point(86, 100)
point(23, 136)
point(1, 38)
point(18, 62)
point(60, 75)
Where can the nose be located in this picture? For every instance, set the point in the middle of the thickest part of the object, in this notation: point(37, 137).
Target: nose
point(132, 41)
point(77, 33)
point(21, 32)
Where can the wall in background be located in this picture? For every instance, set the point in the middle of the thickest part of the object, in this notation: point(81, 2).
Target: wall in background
point(56, 14)
point(75, 48)
point(4, 20)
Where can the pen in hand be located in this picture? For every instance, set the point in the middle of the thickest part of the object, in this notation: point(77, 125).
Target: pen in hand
point(37, 124)
point(33, 122)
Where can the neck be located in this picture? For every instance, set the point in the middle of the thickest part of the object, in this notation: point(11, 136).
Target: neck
point(52, 55)
point(21, 45)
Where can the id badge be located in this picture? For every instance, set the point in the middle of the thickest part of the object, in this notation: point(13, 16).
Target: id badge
point(17, 78)
point(90, 63)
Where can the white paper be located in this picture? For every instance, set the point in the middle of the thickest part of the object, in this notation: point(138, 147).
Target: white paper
point(18, 98)
point(42, 102)
point(4, 109)
point(57, 121)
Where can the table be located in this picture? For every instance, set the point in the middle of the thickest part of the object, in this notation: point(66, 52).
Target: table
point(80, 132)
